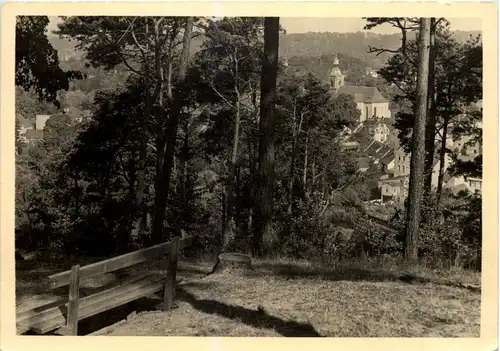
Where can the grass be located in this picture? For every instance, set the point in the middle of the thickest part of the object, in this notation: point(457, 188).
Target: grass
point(296, 298)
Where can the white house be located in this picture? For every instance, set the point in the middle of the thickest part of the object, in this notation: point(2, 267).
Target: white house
point(40, 121)
point(459, 183)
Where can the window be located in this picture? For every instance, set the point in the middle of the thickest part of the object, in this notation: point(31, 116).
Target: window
point(375, 111)
point(399, 168)
point(386, 190)
point(366, 111)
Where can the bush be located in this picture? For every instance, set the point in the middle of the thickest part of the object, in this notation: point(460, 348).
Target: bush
point(450, 234)
point(313, 234)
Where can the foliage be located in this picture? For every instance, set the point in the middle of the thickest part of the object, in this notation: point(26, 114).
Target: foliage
point(77, 186)
point(458, 80)
point(37, 62)
point(450, 232)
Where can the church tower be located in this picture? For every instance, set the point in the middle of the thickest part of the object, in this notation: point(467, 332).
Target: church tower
point(336, 76)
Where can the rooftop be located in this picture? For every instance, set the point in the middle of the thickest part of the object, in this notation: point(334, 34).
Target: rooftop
point(363, 94)
point(24, 122)
point(378, 149)
point(387, 158)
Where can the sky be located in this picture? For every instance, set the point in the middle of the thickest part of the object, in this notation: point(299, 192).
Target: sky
point(343, 25)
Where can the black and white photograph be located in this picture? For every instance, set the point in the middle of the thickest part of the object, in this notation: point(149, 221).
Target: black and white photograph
point(249, 176)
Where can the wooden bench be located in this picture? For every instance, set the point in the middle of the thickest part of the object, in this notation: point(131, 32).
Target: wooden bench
point(63, 316)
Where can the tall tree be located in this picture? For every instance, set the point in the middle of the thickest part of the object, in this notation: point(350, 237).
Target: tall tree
point(37, 62)
point(406, 25)
point(163, 184)
point(458, 83)
point(418, 145)
point(231, 63)
point(430, 127)
point(146, 47)
point(264, 236)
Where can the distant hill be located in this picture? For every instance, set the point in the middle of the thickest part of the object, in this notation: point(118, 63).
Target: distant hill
point(321, 66)
point(355, 45)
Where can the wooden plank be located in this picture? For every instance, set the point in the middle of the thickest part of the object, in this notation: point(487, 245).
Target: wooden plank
point(59, 314)
point(122, 297)
point(54, 308)
point(40, 309)
point(21, 329)
point(115, 263)
point(73, 301)
point(60, 311)
point(169, 289)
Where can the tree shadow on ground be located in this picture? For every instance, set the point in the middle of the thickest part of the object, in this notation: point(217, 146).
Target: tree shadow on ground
point(255, 318)
point(342, 273)
point(292, 271)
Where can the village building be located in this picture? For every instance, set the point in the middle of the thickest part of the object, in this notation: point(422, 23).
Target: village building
point(40, 121)
point(379, 153)
point(372, 139)
point(394, 184)
point(24, 124)
point(31, 132)
point(371, 103)
point(369, 71)
point(376, 129)
point(462, 183)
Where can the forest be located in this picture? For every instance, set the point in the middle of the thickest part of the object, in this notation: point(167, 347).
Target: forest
point(207, 141)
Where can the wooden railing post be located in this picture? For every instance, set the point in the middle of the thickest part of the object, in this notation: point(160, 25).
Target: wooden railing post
point(169, 290)
point(74, 298)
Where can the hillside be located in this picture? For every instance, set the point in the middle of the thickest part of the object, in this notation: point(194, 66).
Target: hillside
point(354, 45)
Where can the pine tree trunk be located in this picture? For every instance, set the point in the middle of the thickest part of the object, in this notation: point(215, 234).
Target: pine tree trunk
point(163, 184)
point(416, 185)
point(227, 233)
point(183, 168)
point(144, 136)
point(430, 128)
point(264, 235)
point(291, 173)
point(313, 173)
point(442, 158)
point(304, 173)
point(252, 161)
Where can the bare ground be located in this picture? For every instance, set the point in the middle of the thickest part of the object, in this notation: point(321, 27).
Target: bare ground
point(291, 299)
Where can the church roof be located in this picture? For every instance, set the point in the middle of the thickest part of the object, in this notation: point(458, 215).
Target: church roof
point(363, 94)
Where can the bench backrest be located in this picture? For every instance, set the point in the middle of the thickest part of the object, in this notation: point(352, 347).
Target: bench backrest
point(116, 263)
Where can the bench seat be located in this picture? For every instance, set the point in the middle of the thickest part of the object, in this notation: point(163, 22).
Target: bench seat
point(53, 316)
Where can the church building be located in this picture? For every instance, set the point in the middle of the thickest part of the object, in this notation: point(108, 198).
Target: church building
point(371, 103)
